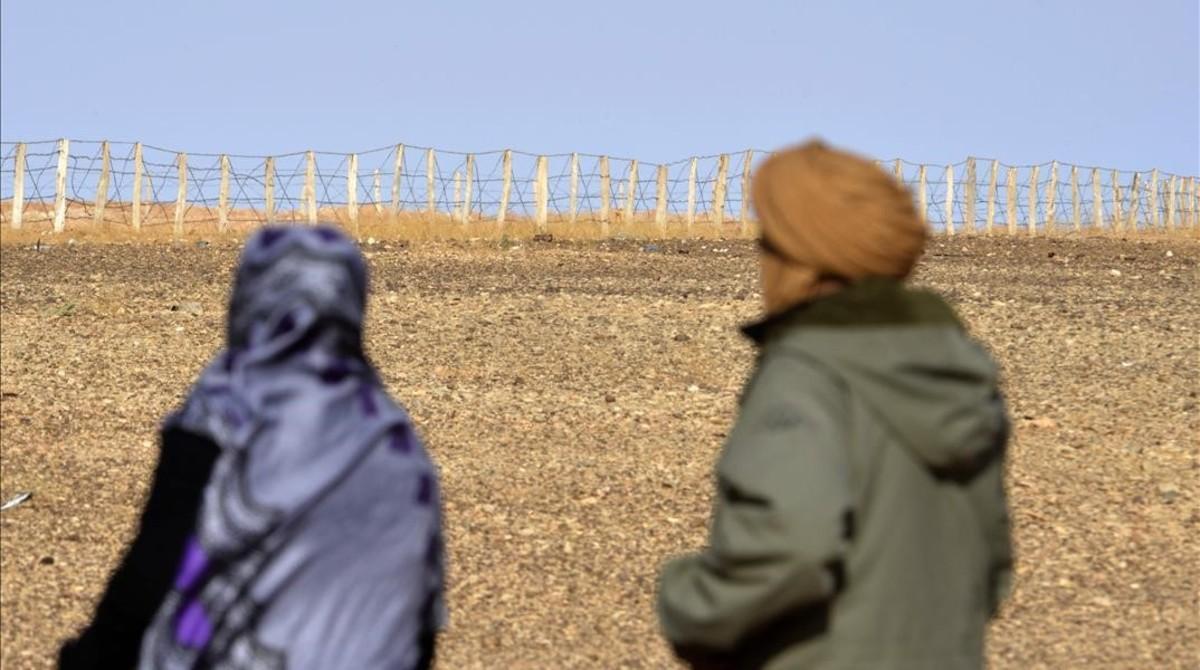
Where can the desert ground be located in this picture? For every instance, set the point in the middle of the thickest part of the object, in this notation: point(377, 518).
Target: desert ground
point(575, 395)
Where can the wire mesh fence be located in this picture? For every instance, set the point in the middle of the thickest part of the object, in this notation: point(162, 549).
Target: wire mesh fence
point(63, 183)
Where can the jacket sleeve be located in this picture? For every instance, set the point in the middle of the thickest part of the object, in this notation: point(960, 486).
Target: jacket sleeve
point(782, 513)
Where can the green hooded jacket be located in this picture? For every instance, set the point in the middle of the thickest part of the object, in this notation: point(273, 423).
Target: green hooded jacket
point(860, 519)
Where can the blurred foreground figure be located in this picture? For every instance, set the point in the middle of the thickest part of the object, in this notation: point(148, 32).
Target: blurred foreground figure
point(860, 518)
point(294, 520)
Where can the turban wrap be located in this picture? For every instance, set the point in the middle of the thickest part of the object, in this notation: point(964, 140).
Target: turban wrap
point(827, 218)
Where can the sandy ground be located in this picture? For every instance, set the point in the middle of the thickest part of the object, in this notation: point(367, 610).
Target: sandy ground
point(575, 396)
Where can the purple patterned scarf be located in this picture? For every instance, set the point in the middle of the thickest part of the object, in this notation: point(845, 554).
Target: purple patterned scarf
point(318, 543)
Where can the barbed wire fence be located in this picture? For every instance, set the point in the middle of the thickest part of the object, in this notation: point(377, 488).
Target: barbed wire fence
point(61, 183)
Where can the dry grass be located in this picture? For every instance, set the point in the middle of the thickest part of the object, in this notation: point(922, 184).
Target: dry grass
point(200, 223)
point(554, 385)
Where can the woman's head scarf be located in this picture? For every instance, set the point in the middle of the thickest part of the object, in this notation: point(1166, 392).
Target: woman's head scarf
point(306, 432)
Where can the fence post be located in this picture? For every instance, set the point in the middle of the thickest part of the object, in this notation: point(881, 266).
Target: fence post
point(1134, 202)
point(922, 204)
point(631, 191)
point(377, 190)
point(691, 195)
point(573, 195)
point(660, 199)
point(1097, 200)
point(430, 196)
point(1052, 197)
point(898, 170)
point(506, 188)
point(1076, 215)
point(605, 194)
point(60, 186)
point(102, 184)
point(310, 188)
point(269, 188)
point(1193, 204)
point(1118, 206)
point(469, 187)
point(949, 204)
point(543, 192)
point(969, 198)
point(1172, 187)
point(222, 195)
point(181, 194)
point(991, 200)
point(719, 189)
point(352, 191)
point(1010, 201)
point(1155, 215)
point(456, 209)
point(744, 215)
point(397, 178)
point(138, 175)
point(1031, 218)
point(18, 201)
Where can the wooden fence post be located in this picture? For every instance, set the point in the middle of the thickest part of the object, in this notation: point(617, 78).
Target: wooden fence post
point(138, 176)
point(991, 199)
point(660, 199)
point(102, 183)
point(1193, 206)
point(691, 195)
point(744, 215)
point(223, 195)
point(1097, 200)
point(456, 209)
point(631, 191)
point(310, 188)
point(1010, 201)
point(468, 188)
point(898, 170)
point(1155, 216)
point(1031, 213)
point(1172, 187)
point(352, 191)
point(430, 196)
point(18, 200)
point(922, 203)
point(60, 186)
point(1076, 215)
point(506, 188)
point(1052, 198)
point(573, 194)
point(1134, 202)
point(949, 204)
point(181, 194)
point(605, 194)
point(969, 197)
point(269, 189)
point(543, 192)
point(719, 190)
point(1118, 206)
point(377, 190)
point(397, 179)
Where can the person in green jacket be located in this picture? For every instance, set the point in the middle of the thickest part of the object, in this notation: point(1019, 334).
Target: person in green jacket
point(860, 516)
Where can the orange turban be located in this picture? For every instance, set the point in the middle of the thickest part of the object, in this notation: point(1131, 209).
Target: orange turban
point(829, 217)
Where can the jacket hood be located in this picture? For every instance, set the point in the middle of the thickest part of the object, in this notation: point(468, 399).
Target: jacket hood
point(909, 358)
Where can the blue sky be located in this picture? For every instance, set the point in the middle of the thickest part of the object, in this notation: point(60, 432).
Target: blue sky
point(1104, 82)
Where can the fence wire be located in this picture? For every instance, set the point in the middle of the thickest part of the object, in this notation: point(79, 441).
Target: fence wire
point(975, 194)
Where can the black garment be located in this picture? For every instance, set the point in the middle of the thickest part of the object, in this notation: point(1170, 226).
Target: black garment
point(143, 579)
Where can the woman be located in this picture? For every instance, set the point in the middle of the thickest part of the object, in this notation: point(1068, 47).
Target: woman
point(860, 517)
point(316, 540)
